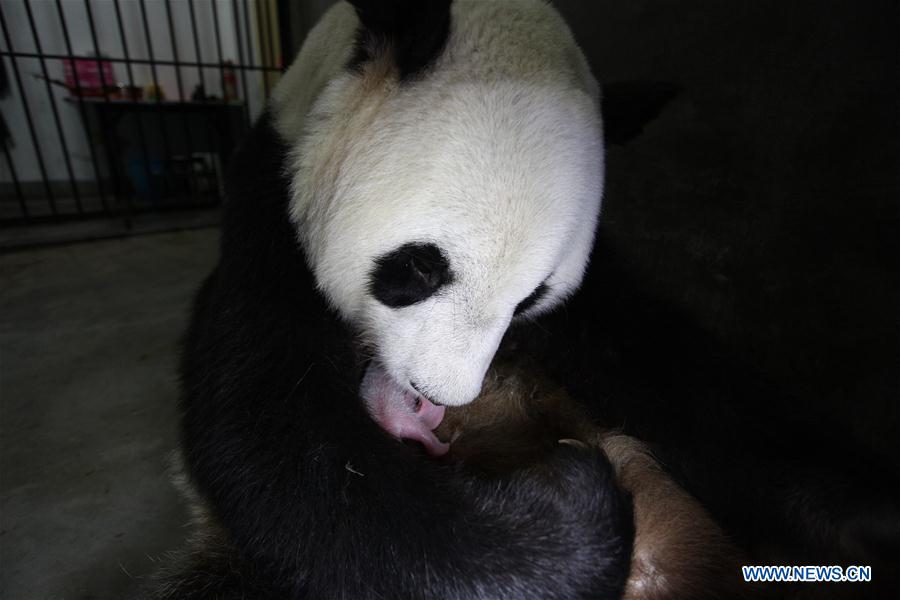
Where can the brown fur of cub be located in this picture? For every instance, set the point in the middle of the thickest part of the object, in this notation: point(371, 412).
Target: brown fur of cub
point(520, 416)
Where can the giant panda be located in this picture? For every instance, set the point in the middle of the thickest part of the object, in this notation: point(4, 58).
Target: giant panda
point(423, 189)
point(425, 175)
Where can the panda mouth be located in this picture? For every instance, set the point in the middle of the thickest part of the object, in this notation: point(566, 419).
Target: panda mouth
point(403, 413)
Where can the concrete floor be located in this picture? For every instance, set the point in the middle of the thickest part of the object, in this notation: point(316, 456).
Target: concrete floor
point(89, 335)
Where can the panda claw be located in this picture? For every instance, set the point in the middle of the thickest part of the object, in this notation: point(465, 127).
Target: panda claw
point(571, 442)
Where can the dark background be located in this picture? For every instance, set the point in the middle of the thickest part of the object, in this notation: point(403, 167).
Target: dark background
point(765, 200)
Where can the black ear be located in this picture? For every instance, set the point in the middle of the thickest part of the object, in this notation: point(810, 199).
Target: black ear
point(629, 105)
point(414, 31)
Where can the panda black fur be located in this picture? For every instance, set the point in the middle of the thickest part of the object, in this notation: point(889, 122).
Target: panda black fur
point(312, 497)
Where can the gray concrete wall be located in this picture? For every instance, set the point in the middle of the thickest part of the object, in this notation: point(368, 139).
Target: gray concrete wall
point(766, 199)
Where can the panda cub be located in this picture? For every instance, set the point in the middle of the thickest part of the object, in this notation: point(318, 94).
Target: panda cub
point(425, 175)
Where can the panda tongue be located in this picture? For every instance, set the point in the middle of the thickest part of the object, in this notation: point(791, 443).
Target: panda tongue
point(401, 413)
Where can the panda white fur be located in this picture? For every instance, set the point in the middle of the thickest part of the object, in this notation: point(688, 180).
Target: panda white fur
point(492, 160)
point(424, 175)
point(485, 175)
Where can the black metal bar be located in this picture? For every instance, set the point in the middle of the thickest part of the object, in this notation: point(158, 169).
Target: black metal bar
point(110, 142)
point(162, 118)
point(81, 109)
point(28, 119)
point(248, 33)
point(139, 61)
point(249, 38)
point(264, 41)
point(282, 13)
point(270, 42)
point(174, 44)
point(240, 45)
point(142, 136)
point(209, 138)
point(15, 178)
point(54, 110)
point(197, 55)
point(217, 138)
point(274, 50)
point(215, 14)
point(184, 119)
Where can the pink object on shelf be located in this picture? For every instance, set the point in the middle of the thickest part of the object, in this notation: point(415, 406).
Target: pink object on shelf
point(89, 75)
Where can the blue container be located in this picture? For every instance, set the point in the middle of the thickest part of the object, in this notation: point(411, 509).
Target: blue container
point(148, 189)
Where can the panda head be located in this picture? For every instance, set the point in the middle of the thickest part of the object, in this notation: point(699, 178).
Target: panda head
point(447, 171)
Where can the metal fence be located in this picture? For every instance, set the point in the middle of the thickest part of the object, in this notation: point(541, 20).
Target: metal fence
point(113, 107)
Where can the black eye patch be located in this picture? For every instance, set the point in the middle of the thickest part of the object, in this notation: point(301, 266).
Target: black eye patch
point(532, 299)
point(409, 274)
